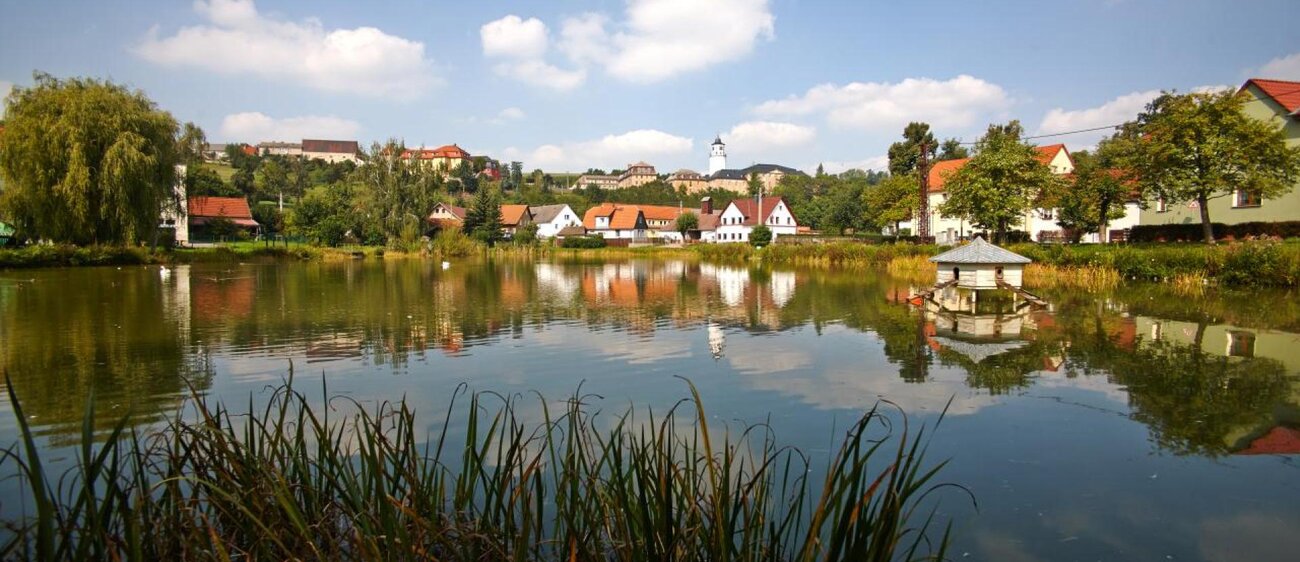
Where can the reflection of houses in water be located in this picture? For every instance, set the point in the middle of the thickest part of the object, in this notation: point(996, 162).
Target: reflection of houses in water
point(782, 284)
point(977, 335)
point(731, 281)
point(554, 280)
point(334, 347)
point(1224, 340)
point(1278, 440)
point(717, 340)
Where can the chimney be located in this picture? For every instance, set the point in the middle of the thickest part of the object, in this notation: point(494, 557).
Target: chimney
point(706, 206)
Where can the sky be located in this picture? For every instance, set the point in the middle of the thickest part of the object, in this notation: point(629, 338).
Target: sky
point(575, 84)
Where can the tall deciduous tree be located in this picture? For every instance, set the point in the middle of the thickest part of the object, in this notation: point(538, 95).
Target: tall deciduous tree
point(1096, 195)
point(951, 149)
point(891, 201)
point(905, 154)
point(402, 191)
point(995, 189)
point(687, 222)
point(270, 181)
point(1200, 146)
point(86, 162)
point(193, 141)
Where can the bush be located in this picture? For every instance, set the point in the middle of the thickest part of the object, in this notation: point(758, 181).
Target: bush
point(760, 236)
point(583, 242)
point(1192, 232)
point(452, 243)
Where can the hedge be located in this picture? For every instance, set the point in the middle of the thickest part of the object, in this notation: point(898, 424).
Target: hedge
point(1193, 233)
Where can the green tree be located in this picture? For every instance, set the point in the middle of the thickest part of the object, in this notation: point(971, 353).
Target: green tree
point(754, 184)
point(483, 218)
point(202, 180)
point(324, 215)
point(687, 222)
point(400, 193)
point(995, 189)
point(1095, 197)
point(892, 201)
point(270, 181)
point(86, 162)
point(760, 236)
point(191, 144)
point(1200, 146)
point(951, 149)
point(905, 155)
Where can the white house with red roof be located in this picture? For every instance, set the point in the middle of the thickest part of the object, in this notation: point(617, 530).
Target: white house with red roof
point(740, 217)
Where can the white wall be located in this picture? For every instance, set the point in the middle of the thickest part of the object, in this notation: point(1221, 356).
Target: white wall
point(979, 276)
point(565, 218)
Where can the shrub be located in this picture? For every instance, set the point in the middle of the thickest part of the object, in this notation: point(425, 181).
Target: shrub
point(1192, 232)
point(760, 236)
point(583, 242)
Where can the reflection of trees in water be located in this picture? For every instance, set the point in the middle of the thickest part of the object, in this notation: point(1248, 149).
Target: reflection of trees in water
point(108, 331)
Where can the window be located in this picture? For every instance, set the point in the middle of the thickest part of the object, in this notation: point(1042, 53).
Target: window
point(1045, 214)
point(1161, 207)
point(1241, 343)
point(1246, 198)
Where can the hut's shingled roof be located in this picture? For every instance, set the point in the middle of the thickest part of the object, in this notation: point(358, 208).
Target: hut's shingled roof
point(979, 251)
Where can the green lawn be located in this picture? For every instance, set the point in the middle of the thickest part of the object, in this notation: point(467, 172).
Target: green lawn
point(226, 171)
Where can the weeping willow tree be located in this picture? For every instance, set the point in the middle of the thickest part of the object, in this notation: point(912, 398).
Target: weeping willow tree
point(86, 162)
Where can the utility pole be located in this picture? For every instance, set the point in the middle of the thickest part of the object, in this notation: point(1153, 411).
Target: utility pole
point(923, 210)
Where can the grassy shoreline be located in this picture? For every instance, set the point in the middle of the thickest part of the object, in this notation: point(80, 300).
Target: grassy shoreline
point(1238, 264)
point(296, 481)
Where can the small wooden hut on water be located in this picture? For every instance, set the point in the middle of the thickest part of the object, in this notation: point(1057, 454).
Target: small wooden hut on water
point(980, 265)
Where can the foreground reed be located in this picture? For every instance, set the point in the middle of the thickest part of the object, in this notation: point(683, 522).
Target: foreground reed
point(288, 481)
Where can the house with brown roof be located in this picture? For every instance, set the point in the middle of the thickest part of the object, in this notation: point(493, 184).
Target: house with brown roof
point(612, 220)
point(1039, 223)
point(551, 219)
point(1273, 101)
point(206, 212)
point(740, 217)
point(332, 151)
point(446, 216)
point(514, 217)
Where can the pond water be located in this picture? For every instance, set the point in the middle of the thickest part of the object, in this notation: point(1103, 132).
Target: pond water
point(1135, 425)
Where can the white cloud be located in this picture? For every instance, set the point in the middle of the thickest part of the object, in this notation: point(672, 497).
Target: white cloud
point(511, 114)
point(238, 40)
point(512, 36)
point(1281, 68)
point(877, 163)
point(253, 127)
point(660, 39)
point(756, 136)
point(954, 103)
point(539, 73)
point(1119, 110)
point(655, 40)
point(521, 45)
point(610, 151)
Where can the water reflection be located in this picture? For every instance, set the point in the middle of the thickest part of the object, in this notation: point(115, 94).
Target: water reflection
point(1210, 379)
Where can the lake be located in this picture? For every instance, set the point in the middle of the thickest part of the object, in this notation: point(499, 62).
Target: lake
point(1140, 424)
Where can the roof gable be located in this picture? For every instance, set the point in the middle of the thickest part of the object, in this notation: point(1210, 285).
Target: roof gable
point(548, 213)
point(513, 215)
point(750, 210)
point(1285, 93)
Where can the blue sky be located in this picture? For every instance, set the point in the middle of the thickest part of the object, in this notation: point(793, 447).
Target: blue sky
point(574, 84)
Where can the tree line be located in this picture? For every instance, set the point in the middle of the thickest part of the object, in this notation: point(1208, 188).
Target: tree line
point(85, 161)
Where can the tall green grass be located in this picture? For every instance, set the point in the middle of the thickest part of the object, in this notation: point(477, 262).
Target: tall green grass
point(293, 481)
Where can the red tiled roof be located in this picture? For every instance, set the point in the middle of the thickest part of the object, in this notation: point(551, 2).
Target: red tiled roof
point(448, 151)
point(211, 207)
point(749, 207)
point(1285, 93)
point(942, 170)
point(1278, 441)
point(511, 215)
point(660, 212)
point(621, 217)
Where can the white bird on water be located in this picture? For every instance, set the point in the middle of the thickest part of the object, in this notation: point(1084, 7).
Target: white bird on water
point(446, 265)
point(164, 273)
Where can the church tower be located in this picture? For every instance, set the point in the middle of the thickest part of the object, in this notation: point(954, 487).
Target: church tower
point(717, 156)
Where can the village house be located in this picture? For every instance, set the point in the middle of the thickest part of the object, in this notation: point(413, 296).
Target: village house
point(707, 220)
point(740, 217)
point(1039, 223)
point(598, 181)
point(204, 212)
point(614, 221)
point(332, 151)
point(514, 217)
point(447, 158)
point(637, 175)
point(273, 148)
point(688, 180)
point(551, 219)
point(446, 216)
point(1273, 101)
point(214, 152)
